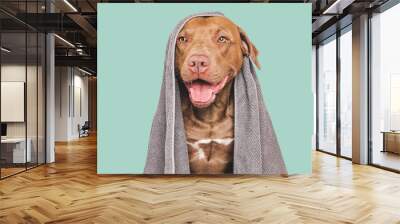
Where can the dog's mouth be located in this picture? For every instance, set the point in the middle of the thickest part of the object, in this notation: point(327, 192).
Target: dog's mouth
point(202, 93)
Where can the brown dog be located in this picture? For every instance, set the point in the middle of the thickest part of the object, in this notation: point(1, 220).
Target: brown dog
point(209, 54)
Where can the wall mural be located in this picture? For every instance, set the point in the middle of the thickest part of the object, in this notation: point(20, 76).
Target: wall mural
point(204, 89)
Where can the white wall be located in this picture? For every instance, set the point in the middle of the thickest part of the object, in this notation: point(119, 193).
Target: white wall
point(33, 127)
point(62, 82)
point(16, 72)
point(70, 109)
point(80, 112)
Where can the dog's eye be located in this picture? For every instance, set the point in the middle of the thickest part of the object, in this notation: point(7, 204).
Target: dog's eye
point(222, 39)
point(182, 39)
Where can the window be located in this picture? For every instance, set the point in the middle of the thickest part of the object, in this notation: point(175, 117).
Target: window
point(346, 93)
point(385, 89)
point(327, 96)
point(22, 77)
point(334, 138)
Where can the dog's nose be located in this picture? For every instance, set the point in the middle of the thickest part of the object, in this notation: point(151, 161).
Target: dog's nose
point(198, 63)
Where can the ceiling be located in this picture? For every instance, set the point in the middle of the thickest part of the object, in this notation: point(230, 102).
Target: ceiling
point(76, 22)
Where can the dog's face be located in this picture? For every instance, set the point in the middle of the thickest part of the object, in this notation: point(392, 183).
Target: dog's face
point(209, 54)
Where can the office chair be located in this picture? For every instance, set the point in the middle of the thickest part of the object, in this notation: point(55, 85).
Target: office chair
point(84, 130)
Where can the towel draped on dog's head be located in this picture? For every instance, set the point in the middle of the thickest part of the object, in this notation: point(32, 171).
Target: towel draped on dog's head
point(256, 149)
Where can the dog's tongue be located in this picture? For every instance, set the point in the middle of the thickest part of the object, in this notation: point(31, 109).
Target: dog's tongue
point(201, 92)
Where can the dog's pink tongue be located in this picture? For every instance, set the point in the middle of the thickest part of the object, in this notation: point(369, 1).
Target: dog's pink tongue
point(200, 92)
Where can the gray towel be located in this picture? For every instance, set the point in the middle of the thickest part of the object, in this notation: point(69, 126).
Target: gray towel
point(256, 150)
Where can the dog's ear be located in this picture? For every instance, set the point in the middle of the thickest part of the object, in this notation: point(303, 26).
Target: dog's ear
point(248, 47)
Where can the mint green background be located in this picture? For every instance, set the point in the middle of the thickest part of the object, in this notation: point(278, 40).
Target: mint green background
point(131, 47)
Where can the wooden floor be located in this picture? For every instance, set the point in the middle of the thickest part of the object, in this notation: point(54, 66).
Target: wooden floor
point(387, 159)
point(9, 171)
point(69, 191)
point(5, 172)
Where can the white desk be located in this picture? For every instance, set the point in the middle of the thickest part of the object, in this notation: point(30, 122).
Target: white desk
point(18, 149)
